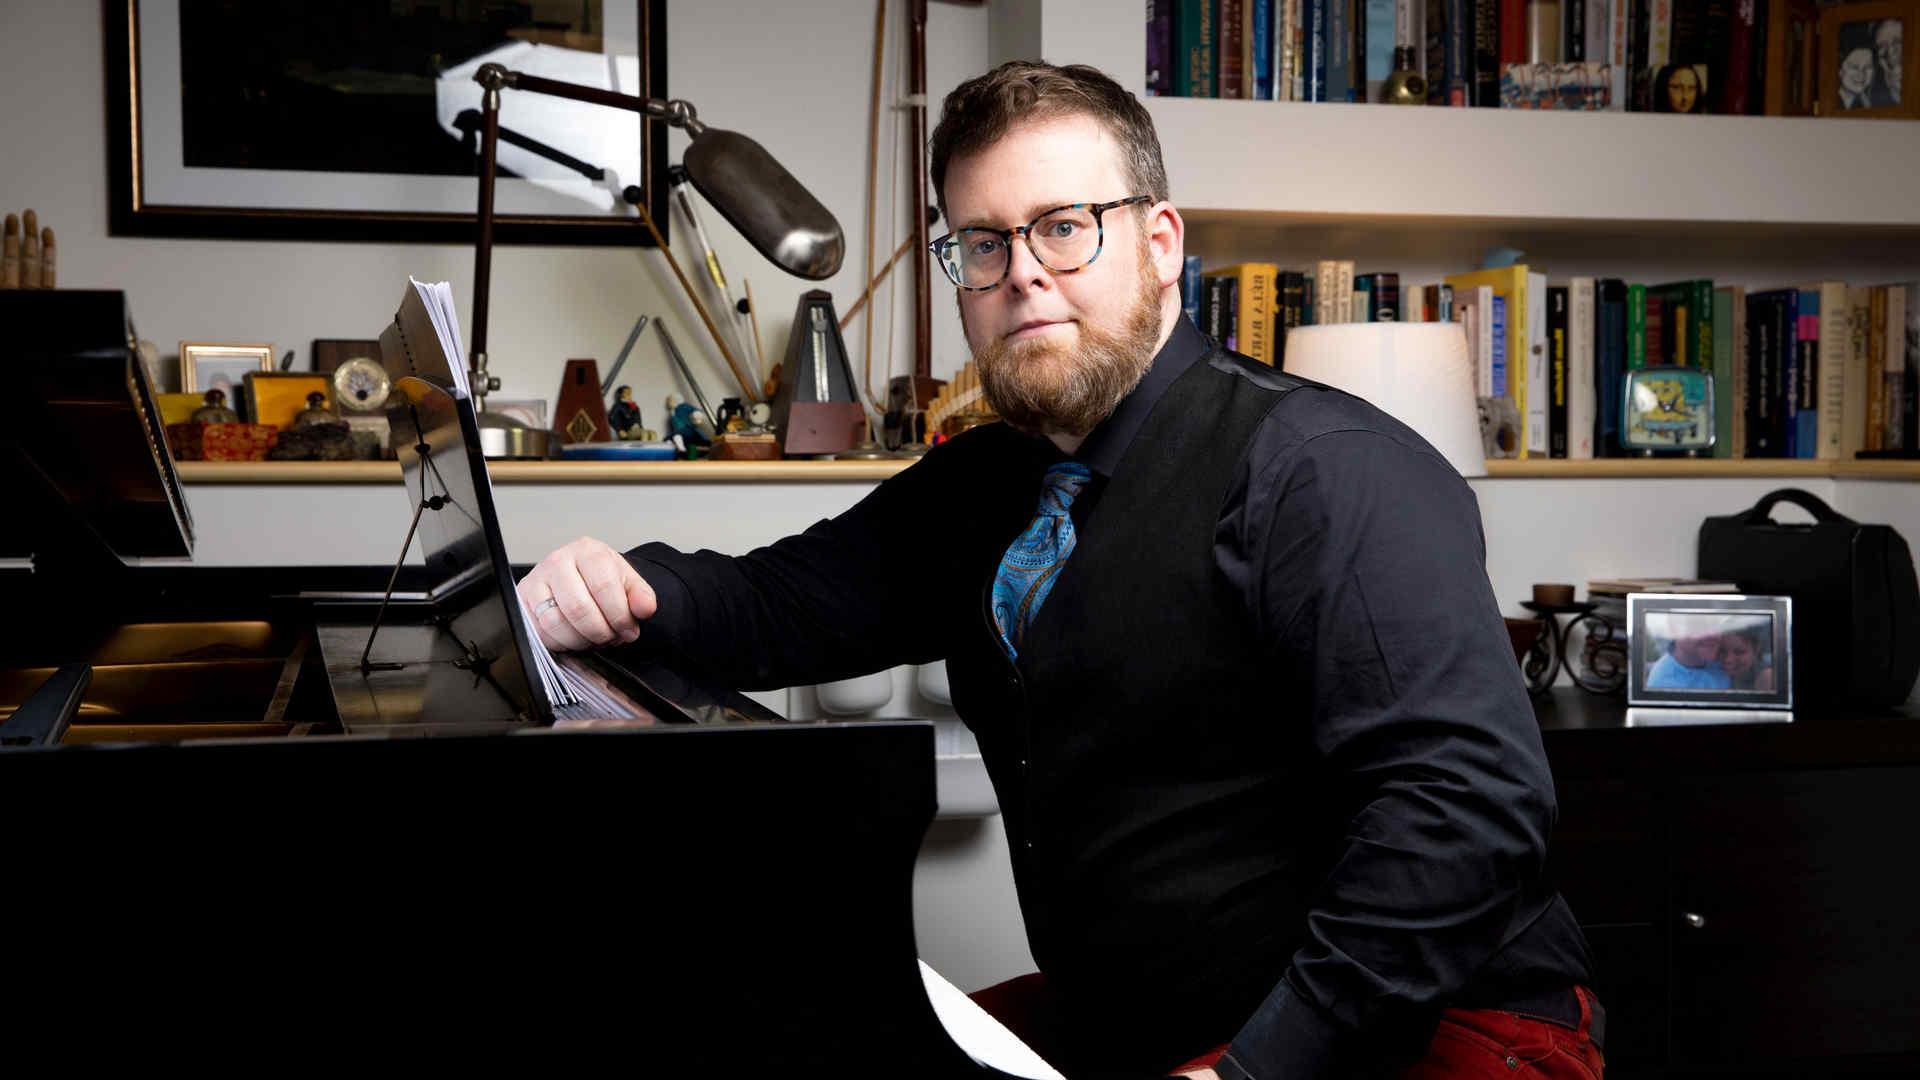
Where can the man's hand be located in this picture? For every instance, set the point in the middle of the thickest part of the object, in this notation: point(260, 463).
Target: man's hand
point(1201, 1074)
point(586, 594)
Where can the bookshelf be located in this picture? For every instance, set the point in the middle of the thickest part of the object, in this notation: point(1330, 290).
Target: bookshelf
point(547, 472)
point(834, 472)
point(1756, 201)
point(1670, 468)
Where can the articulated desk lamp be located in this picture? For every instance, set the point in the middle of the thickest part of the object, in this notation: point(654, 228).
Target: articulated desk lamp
point(778, 216)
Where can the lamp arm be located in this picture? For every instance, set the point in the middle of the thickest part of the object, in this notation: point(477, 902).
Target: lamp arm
point(674, 111)
point(492, 79)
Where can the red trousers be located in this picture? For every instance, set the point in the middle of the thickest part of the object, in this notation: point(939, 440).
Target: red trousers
point(1467, 1044)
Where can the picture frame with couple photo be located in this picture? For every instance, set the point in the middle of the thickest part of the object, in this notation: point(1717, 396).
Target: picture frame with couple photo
point(1714, 652)
point(1709, 652)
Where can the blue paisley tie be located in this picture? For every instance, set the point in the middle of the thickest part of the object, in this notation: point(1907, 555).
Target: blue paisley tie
point(1034, 559)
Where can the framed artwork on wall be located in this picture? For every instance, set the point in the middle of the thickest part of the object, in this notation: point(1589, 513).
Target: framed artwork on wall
point(317, 120)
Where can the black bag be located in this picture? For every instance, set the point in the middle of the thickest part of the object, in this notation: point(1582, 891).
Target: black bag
point(1856, 607)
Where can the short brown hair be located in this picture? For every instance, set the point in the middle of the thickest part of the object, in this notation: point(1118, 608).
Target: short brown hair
point(980, 111)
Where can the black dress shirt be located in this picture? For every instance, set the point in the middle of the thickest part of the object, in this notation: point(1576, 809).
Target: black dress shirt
point(1428, 722)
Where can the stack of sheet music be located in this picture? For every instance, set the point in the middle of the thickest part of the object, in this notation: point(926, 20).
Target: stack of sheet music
point(563, 687)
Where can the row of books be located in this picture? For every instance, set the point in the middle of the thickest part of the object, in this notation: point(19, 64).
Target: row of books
point(1718, 56)
point(1819, 370)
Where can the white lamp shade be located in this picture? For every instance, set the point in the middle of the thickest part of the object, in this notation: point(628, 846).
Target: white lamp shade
point(1417, 373)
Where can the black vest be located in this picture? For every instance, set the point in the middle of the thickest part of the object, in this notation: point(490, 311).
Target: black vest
point(1153, 763)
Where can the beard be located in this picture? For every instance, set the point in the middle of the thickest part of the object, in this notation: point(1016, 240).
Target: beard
point(1044, 387)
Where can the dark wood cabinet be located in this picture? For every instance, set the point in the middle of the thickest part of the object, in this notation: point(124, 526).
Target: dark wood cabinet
point(1797, 900)
point(1752, 896)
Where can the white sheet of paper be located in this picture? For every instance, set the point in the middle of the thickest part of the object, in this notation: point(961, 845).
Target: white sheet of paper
point(438, 298)
point(974, 1030)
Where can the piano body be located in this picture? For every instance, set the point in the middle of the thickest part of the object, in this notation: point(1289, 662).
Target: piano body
point(218, 814)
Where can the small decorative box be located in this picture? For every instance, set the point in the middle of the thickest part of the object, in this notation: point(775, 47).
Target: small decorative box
point(221, 442)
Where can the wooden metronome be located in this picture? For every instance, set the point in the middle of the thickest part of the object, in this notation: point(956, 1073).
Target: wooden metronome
point(817, 409)
point(580, 412)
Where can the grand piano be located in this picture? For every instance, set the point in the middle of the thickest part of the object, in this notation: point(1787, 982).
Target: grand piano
point(224, 822)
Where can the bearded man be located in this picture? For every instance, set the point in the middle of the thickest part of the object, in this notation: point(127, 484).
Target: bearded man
point(1276, 799)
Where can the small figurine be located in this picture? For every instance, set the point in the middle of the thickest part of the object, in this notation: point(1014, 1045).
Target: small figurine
point(733, 416)
point(215, 410)
point(624, 418)
point(688, 427)
point(316, 412)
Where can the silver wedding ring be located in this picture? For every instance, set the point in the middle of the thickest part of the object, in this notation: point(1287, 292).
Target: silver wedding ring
point(544, 605)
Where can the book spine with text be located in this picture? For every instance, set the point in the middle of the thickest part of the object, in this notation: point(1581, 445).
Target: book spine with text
point(1896, 373)
point(1763, 376)
point(1486, 53)
point(1190, 290)
point(1611, 361)
point(1293, 310)
point(1636, 326)
point(1618, 34)
point(1908, 330)
point(1830, 372)
point(1583, 332)
point(1737, 73)
point(1339, 50)
point(1386, 297)
point(1193, 48)
point(1853, 385)
point(1317, 48)
point(1260, 48)
point(1723, 371)
point(1159, 47)
point(1513, 32)
point(1228, 28)
point(1876, 386)
point(1535, 392)
point(1806, 375)
point(1254, 308)
point(1557, 360)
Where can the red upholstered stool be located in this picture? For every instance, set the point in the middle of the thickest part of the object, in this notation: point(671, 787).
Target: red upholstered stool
point(1025, 1006)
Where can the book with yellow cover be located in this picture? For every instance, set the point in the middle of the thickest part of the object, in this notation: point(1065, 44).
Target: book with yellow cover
point(1509, 283)
point(1257, 308)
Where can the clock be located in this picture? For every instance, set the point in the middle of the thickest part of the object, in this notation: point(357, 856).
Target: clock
point(361, 385)
point(1668, 410)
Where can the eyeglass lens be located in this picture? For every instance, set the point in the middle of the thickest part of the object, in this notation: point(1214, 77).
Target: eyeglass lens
point(1063, 240)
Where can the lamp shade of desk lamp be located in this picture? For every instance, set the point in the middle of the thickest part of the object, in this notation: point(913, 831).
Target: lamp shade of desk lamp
point(1417, 373)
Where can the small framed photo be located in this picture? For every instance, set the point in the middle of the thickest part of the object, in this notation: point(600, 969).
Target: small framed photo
point(206, 365)
point(1865, 66)
point(1689, 650)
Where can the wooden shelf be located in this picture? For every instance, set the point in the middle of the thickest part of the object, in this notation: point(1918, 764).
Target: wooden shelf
point(1649, 468)
point(1263, 162)
point(822, 472)
point(549, 472)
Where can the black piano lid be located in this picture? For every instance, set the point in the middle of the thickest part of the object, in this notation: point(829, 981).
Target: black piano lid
point(78, 421)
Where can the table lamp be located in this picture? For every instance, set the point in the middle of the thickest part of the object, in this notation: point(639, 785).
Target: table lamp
point(1418, 373)
point(779, 217)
